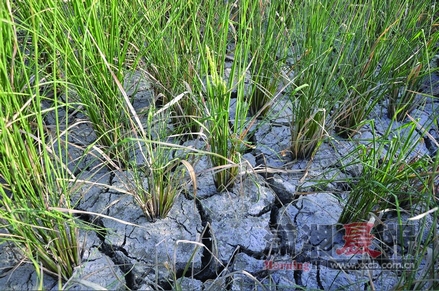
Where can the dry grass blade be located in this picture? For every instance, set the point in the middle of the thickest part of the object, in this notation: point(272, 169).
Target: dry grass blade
point(121, 89)
point(423, 130)
point(75, 211)
point(422, 215)
point(192, 174)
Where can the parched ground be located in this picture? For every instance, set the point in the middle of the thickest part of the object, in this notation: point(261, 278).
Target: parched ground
point(274, 230)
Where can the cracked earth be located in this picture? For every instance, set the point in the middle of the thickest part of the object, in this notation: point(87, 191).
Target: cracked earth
point(276, 227)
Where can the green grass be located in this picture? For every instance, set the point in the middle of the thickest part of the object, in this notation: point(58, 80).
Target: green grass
point(395, 179)
point(226, 136)
point(170, 52)
point(35, 179)
point(359, 89)
point(159, 181)
point(269, 43)
point(340, 59)
point(98, 55)
point(393, 176)
point(314, 35)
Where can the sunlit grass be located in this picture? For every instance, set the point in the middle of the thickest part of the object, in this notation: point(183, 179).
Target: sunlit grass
point(161, 177)
point(269, 44)
point(345, 59)
point(35, 178)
